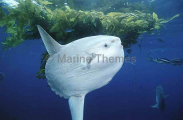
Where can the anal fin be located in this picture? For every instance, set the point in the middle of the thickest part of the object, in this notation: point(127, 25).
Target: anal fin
point(76, 104)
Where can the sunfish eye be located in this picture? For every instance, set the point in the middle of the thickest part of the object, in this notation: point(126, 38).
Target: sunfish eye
point(105, 45)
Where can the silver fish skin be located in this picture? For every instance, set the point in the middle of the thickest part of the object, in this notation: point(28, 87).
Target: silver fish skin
point(160, 98)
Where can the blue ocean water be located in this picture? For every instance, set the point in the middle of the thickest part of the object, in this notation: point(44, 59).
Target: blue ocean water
point(25, 97)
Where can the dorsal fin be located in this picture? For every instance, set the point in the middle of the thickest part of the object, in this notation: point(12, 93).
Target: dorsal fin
point(51, 45)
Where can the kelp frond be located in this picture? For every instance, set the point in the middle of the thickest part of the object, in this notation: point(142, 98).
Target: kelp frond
point(128, 24)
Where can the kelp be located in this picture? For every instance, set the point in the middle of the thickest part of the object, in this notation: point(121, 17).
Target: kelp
point(41, 73)
point(2, 15)
point(161, 22)
point(21, 22)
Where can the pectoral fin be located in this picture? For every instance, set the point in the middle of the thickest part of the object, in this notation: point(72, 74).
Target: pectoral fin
point(89, 59)
point(76, 104)
point(155, 106)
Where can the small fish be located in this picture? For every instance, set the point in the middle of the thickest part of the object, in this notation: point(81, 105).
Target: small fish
point(162, 61)
point(2, 76)
point(176, 61)
point(160, 99)
point(160, 40)
point(69, 30)
point(129, 51)
point(159, 60)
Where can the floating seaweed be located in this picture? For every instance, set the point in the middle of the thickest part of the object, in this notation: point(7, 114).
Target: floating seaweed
point(132, 21)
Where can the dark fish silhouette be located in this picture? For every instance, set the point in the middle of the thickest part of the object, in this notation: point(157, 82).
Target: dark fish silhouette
point(176, 61)
point(1, 76)
point(160, 40)
point(129, 51)
point(160, 98)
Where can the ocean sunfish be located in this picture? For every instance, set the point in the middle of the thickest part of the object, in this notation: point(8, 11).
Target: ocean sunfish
point(71, 77)
point(160, 99)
